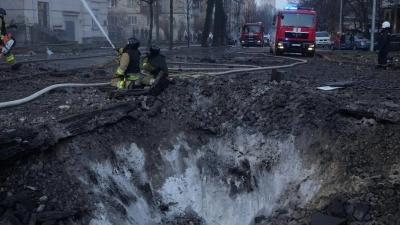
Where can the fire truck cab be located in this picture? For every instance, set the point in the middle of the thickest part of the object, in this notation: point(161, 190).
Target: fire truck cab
point(252, 34)
point(295, 31)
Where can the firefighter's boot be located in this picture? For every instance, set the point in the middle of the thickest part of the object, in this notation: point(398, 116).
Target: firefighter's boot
point(159, 84)
point(16, 66)
point(12, 62)
point(117, 94)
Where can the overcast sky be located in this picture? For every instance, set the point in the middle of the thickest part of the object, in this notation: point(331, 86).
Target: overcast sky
point(280, 3)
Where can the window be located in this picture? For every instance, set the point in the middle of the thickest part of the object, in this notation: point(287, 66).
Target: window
point(132, 20)
point(196, 4)
point(112, 20)
point(130, 3)
point(298, 20)
point(250, 29)
point(322, 34)
point(112, 3)
point(94, 24)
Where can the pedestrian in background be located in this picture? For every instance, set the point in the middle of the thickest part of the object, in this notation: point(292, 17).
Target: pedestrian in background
point(210, 37)
point(186, 35)
point(336, 41)
point(342, 41)
point(384, 45)
point(351, 39)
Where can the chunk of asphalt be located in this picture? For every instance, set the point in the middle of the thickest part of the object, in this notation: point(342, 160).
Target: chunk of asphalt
point(319, 219)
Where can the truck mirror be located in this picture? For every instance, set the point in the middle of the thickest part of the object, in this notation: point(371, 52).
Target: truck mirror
point(274, 21)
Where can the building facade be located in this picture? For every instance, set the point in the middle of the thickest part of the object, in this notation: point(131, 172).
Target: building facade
point(57, 20)
point(132, 18)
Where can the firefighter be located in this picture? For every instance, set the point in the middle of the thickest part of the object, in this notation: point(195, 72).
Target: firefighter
point(153, 64)
point(384, 45)
point(336, 41)
point(7, 42)
point(128, 71)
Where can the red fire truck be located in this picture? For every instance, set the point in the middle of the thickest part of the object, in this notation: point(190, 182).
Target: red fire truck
point(252, 34)
point(295, 29)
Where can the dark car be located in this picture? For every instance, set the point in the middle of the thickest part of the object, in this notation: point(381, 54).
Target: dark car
point(360, 42)
point(395, 42)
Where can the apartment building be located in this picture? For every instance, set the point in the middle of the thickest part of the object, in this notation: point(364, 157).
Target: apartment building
point(132, 17)
point(56, 20)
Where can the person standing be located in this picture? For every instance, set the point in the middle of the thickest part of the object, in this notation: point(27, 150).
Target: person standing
point(185, 34)
point(342, 41)
point(351, 39)
point(336, 41)
point(7, 42)
point(210, 37)
point(384, 45)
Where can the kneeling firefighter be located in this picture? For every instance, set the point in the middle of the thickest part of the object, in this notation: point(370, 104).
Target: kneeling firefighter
point(156, 69)
point(7, 42)
point(128, 70)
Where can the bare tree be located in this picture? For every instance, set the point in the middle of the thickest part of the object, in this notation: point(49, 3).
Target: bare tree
point(220, 19)
point(250, 11)
point(207, 23)
point(165, 26)
point(265, 13)
point(356, 11)
point(187, 10)
point(181, 29)
point(151, 3)
point(157, 20)
point(171, 24)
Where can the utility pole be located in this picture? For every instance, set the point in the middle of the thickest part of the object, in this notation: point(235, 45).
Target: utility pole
point(371, 47)
point(341, 15)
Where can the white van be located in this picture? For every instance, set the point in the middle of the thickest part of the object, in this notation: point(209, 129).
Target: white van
point(323, 39)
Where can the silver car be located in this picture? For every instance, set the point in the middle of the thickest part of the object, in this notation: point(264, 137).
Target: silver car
point(323, 39)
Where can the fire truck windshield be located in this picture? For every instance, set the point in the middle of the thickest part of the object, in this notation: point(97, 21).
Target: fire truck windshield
point(249, 29)
point(297, 20)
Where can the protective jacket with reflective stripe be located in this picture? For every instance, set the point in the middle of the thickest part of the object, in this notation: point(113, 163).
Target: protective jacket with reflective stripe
point(134, 60)
point(159, 63)
point(3, 29)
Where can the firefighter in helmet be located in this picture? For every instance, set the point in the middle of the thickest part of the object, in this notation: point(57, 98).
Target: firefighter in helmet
point(6, 42)
point(384, 45)
point(153, 64)
point(128, 70)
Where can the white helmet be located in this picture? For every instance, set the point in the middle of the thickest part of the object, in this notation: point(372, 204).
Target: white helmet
point(385, 24)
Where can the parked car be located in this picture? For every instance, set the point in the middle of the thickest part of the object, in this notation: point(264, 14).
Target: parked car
point(360, 42)
point(395, 42)
point(322, 39)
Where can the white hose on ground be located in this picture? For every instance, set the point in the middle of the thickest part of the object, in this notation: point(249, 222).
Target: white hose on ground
point(44, 90)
